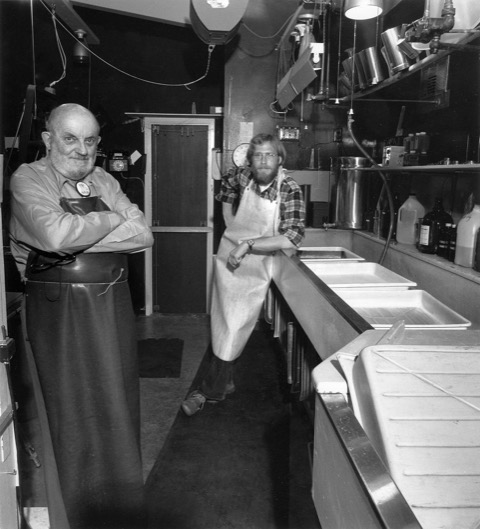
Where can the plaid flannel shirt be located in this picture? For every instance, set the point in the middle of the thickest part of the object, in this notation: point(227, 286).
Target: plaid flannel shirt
point(292, 205)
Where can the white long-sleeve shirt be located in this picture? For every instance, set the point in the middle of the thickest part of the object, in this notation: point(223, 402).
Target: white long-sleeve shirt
point(38, 220)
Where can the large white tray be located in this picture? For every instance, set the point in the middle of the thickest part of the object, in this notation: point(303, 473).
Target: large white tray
point(327, 253)
point(417, 308)
point(358, 275)
point(420, 407)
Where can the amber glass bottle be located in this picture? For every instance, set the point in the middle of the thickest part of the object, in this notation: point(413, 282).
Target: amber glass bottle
point(430, 228)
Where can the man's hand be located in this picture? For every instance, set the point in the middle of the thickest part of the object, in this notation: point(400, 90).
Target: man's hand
point(237, 254)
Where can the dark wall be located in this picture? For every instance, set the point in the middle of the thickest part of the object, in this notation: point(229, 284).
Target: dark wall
point(155, 52)
point(148, 50)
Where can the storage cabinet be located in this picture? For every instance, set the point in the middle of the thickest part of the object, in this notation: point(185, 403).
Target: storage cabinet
point(301, 356)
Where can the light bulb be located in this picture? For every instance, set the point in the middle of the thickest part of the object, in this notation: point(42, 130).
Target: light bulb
point(81, 54)
point(363, 9)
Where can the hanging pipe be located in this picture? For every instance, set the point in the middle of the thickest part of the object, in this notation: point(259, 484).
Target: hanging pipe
point(350, 121)
point(339, 54)
point(385, 183)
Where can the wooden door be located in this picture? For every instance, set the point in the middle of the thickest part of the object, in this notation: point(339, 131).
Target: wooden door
point(179, 206)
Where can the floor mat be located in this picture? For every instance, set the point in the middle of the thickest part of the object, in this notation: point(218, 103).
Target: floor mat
point(228, 466)
point(160, 358)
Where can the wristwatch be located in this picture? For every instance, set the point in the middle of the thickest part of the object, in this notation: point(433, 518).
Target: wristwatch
point(250, 243)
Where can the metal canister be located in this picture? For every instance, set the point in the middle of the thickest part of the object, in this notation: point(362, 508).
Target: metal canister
point(397, 60)
point(375, 68)
point(349, 190)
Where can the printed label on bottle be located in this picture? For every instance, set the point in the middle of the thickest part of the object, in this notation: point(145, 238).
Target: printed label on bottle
point(424, 235)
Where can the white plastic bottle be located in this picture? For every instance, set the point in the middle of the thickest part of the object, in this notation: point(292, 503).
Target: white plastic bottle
point(466, 233)
point(408, 214)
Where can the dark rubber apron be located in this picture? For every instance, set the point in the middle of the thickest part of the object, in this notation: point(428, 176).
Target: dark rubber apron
point(81, 328)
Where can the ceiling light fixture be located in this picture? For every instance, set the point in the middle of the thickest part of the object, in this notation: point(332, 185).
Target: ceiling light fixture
point(363, 9)
point(217, 21)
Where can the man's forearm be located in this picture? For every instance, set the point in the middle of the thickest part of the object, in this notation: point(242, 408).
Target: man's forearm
point(271, 244)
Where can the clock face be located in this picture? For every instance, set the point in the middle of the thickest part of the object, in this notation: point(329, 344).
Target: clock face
point(240, 155)
point(118, 165)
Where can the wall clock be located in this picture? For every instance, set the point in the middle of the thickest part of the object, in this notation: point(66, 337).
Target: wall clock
point(239, 155)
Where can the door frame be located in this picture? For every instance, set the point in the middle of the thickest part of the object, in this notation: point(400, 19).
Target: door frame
point(9, 470)
point(148, 121)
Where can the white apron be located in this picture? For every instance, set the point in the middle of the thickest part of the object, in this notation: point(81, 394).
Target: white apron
point(238, 294)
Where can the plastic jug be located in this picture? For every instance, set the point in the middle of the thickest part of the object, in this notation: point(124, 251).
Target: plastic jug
point(466, 234)
point(408, 214)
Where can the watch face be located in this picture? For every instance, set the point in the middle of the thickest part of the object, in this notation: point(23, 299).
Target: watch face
point(240, 155)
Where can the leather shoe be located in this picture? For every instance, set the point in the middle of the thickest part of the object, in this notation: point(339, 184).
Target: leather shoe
point(193, 403)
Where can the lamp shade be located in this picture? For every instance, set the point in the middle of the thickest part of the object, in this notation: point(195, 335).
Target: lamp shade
point(363, 9)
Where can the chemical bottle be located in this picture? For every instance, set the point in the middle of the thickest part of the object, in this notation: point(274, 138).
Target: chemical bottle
point(452, 243)
point(430, 227)
point(444, 240)
point(408, 214)
point(466, 233)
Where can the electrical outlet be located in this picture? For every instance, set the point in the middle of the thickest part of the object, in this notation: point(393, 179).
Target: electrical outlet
point(337, 135)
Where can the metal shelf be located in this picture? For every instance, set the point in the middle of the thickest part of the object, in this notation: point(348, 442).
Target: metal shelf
point(415, 68)
point(450, 168)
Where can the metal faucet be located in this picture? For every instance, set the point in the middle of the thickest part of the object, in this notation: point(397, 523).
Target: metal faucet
point(327, 225)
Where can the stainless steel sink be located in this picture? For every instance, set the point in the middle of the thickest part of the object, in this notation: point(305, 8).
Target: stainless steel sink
point(327, 253)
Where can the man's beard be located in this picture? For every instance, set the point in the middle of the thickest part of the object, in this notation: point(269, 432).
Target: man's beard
point(265, 175)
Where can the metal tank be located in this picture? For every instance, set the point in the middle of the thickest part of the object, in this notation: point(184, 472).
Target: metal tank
point(349, 191)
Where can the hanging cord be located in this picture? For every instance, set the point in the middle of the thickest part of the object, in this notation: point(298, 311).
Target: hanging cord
point(34, 72)
point(211, 47)
point(350, 121)
point(385, 183)
point(61, 51)
point(339, 54)
point(112, 282)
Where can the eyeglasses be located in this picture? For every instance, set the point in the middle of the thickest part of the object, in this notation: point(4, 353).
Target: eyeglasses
point(262, 155)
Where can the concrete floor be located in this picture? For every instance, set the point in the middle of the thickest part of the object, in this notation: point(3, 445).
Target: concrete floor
point(160, 404)
point(161, 397)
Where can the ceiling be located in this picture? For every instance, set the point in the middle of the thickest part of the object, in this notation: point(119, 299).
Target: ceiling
point(169, 11)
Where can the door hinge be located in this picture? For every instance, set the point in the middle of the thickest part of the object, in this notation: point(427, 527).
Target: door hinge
point(7, 350)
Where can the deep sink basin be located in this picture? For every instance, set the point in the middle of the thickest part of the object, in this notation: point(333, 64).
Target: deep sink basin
point(329, 253)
